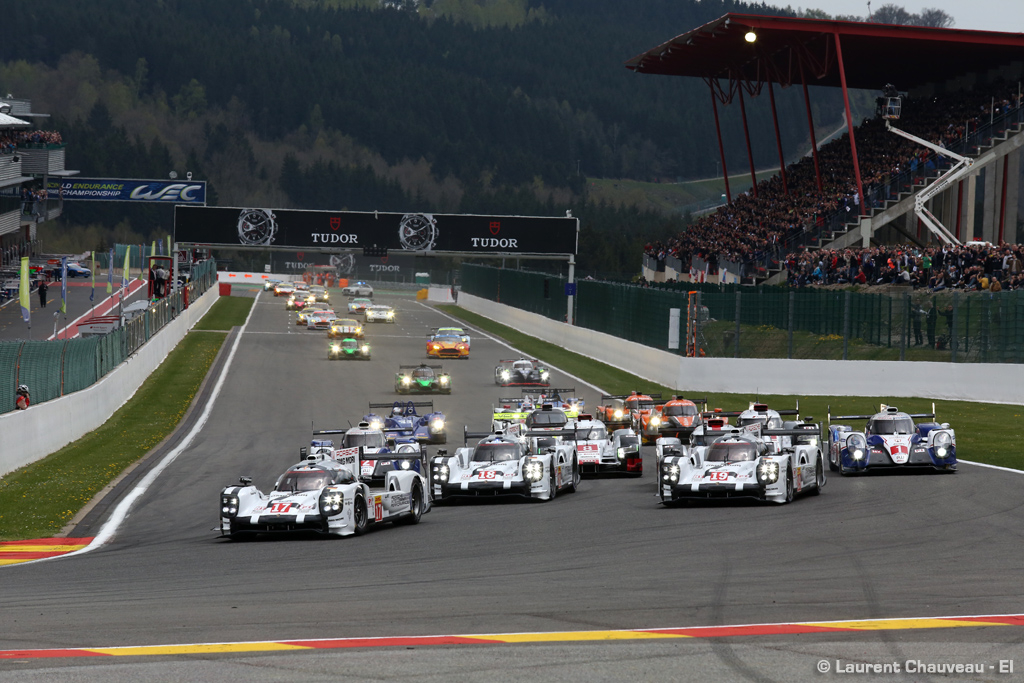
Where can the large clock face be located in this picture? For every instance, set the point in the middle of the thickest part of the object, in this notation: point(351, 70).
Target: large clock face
point(344, 263)
point(417, 231)
point(256, 226)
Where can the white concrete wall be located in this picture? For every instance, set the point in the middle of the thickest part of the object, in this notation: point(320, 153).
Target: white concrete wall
point(440, 294)
point(30, 435)
point(988, 382)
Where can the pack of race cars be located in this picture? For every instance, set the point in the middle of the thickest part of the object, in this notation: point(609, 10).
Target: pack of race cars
point(543, 442)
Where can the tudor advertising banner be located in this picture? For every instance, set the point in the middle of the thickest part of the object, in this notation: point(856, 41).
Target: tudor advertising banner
point(412, 232)
point(394, 265)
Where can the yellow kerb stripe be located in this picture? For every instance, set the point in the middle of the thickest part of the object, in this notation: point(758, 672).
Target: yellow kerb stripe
point(891, 624)
point(40, 548)
point(575, 635)
point(194, 649)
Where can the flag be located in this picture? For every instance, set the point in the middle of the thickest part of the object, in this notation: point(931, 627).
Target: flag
point(168, 245)
point(23, 291)
point(92, 294)
point(110, 272)
point(127, 266)
point(64, 285)
point(152, 249)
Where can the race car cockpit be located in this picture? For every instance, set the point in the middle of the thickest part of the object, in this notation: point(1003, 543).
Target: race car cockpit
point(496, 451)
point(731, 451)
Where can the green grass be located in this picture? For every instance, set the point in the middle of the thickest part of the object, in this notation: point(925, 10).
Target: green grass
point(986, 432)
point(39, 499)
point(228, 312)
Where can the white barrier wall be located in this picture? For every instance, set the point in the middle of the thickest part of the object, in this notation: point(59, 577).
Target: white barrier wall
point(987, 382)
point(440, 294)
point(30, 435)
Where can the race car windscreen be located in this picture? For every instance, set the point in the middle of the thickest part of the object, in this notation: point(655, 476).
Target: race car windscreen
point(305, 480)
point(627, 441)
point(731, 451)
point(422, 373)
point(495, 452)
point(523, 366)
point(679, 411)
point(349, 344)
point(641, 405)
point(369, 440)
point(770, 423)
point(591, 434)
point(887, 426)
point(546, 418)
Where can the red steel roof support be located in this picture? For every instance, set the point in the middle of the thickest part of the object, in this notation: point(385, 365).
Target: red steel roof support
point(778, 138)
point(721, 148)
point(849, 123)
point(750, 154)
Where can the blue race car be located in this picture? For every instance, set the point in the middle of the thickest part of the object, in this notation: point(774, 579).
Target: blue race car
point(891, 440)
point(402, 420)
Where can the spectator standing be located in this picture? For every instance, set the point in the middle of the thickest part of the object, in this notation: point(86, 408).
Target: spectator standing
point(933, 319)
point(22, 398)
point(42, 294)
point(918, 314)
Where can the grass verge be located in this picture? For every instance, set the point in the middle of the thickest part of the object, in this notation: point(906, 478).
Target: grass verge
point(39, 499)
point(985, 432)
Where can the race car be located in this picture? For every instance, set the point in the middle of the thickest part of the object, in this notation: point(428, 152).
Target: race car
point(564, 399)
point(446, 345)
point(320, 320)
point(422, 379)
point(521, 372)
point(599, 452)
point(323, 494)
point(300, 318)
point(270, 284)
point(348, 349)
point(301, 286)
point(510, 410)
point(457, 331)
point(319, 293)
point(677, 416)
point(284, 289)
point(379, 454)
point(771, 465)
point(295, 302)
point(525, 464)
point(345, 327)
point(892, 440)
point(618, 411)
point(359, 305)
point(379, 313)
point(357, 289)
point(402, 420)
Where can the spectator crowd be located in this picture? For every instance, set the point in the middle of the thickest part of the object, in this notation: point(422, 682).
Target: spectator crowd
point(10, 139)
point(759, 231)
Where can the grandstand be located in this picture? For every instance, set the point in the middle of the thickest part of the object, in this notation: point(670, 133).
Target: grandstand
point(962, 92)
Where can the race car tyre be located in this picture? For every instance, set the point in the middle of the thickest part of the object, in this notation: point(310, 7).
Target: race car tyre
point(575, 476)
point(417, 507)
point(360, 519)
point(819, 477)
point(551, 484)
point(789, 484)
point(832, 465)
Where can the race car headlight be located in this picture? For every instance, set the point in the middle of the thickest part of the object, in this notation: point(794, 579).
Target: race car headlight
point(444, 380)
point(391, 314)
point(655, 420)
point(376, 424)
point(359, 330)
point(621, 452)
point(505, 374)
point(366, 348)
point(228, 505)
point(767, 472)
point(440, 474)
point(618, 414)
point(943, 444)
point(544, 374)
point(436, 425)
point(335, 347)
point(533, 470)
point(669, 473)
point(406, 380)
point(857, 447)
point(436, 347)
point(404, 464)
point(331, 503)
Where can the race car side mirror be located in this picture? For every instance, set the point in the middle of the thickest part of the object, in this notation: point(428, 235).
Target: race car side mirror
point(442, 451)
point(302, 451)
point(245, 481)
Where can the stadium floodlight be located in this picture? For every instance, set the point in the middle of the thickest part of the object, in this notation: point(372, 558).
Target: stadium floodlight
point(750, 37)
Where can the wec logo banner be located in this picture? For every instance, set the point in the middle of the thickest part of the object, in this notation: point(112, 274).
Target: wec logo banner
point(120, 190)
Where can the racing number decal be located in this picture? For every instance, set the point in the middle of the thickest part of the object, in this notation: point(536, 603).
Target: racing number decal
point(278, 508)
point(366, 467)
point(897, 449)
point(378, 508)
point(718, 476)
point(487, 474)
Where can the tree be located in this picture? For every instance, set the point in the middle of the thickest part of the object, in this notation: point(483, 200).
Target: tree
point(893, 14)
point(934, 17)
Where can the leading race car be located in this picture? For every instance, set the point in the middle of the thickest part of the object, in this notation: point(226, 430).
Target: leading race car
point(524, 464)
point(770, 465)
point(521, 372)
point(402, 420)
point(445, 343)
point(892, 440)
point(323, 494)
point(348, 349)
point(599, 452)
point(422, 379)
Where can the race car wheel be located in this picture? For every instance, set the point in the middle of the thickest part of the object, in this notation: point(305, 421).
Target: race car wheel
point(819, 476)
point(832, 464)
point(417, 507)
point(360, 519)
point(789, 484)
point(575, 476)
point(551, 484)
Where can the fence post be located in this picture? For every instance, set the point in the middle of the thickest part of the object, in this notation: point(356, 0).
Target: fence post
point(888, 334)
point(792, 300)
point(698, 333)
point(904, 331)
point(846, 325)
point(953, 336)
point(737, 339)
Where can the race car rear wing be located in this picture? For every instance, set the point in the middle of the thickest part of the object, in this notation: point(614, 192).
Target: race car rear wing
point(421, 365)
point(625, 396)
point(403, 404)
point(531, 391)
point(513, 360)
point(881, 409)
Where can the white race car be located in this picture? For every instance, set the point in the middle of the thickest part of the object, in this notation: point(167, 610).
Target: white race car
point(745, 462)
point(599, 452)
point(357, 289)
point(323, 494)
point(525, 464)
point(379, 313)
point(891, 440)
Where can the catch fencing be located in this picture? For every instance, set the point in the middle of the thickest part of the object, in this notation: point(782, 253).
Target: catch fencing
point(732, 321)
point(52, 369)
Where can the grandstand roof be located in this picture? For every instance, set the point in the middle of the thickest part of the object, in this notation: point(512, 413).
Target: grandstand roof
point(873, 54)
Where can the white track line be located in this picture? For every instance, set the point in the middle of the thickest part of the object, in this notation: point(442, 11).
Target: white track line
point(509, 346)
point(120, 513)
point(991, 467)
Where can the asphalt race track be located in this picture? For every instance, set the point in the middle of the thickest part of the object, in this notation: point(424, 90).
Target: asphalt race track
point(606, 558)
